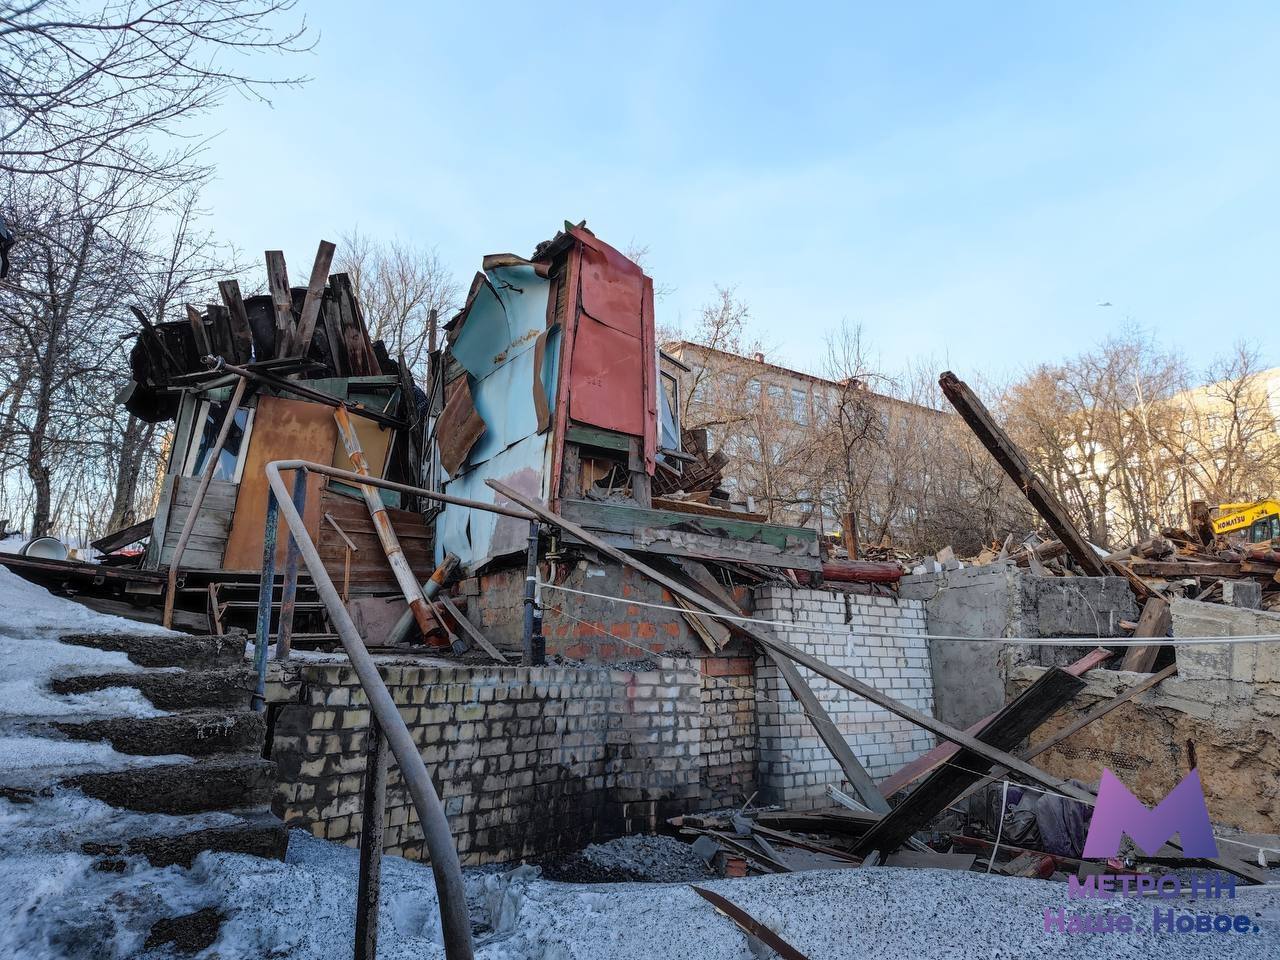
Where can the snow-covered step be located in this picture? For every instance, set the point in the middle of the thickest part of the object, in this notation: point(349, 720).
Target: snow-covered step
point(229, 688)
point(255, 832)
point(196, 734)
point(217, 783)
point(150, 650)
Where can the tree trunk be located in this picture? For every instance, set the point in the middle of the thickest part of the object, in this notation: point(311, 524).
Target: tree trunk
point(133, 446)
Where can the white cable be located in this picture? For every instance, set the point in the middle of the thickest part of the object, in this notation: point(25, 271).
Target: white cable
point(1004, 807)
point(853, 628)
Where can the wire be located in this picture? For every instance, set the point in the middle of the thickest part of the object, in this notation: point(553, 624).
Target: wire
point(852, 628)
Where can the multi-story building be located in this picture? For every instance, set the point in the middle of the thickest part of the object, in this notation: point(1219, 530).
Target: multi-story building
point(803, 449)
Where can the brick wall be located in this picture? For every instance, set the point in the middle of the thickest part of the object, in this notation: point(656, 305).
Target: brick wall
point(526, 760)
point(795, 767)
point(728, 757)
point(594, 629)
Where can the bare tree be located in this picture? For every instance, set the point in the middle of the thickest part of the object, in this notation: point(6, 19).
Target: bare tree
point(85, 86)
point(399, 285)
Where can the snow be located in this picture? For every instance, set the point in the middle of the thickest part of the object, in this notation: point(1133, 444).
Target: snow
point(302, 909)
point(31, 619)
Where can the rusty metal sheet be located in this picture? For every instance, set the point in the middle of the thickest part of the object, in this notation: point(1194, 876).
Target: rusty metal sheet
point(459, 427)
point(613, 370)
point(282, 429)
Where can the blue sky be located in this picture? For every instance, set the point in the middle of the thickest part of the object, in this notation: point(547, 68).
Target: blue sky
point(966, 180)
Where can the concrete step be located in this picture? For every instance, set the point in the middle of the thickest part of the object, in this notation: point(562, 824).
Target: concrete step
point(229, 688)
point(259, 833)
point(147, 650)
point(198, 734)
point(219, 783)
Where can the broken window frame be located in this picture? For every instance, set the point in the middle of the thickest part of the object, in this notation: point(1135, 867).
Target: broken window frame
point(209, 413)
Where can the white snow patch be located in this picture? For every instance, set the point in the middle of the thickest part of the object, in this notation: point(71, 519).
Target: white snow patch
point(34, 761)
point(31, 619)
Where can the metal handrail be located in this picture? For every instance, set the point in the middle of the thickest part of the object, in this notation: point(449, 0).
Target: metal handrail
point(454, 918)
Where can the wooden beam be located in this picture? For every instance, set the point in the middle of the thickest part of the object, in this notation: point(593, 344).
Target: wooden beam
point(241, 331)
point(864, 787)
point(199, 332)
point(1155, 622)
point(1007, 454)
point(1183, 568)
point(282, 300)
point(315, 296)
point(1009, 727)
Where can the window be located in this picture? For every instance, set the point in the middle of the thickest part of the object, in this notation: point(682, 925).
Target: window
point(800, 406)
point(700, 380)
point(753, 391)
point(209, 416)
point(752, 445)
point(777, 397)
point(669, 413)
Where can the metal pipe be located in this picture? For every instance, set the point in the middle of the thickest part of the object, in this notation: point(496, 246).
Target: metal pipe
point(369, 884)
point(356, 479)
point(530, 600)
point(382, 524)
point(430, 588)
point(189, 524)
point(289, 591)
point(266, 587)
point(454, 918)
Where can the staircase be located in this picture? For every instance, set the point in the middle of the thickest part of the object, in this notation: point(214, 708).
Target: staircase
point(211, 741)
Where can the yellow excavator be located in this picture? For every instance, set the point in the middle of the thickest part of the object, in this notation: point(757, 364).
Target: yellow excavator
point(1261, 519)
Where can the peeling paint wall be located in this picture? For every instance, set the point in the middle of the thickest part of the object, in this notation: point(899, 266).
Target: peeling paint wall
point(496, 343)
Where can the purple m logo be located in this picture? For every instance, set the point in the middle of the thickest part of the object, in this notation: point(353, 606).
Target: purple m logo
point(1119, 812)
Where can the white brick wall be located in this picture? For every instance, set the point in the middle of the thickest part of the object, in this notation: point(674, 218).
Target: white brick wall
point(795, 766)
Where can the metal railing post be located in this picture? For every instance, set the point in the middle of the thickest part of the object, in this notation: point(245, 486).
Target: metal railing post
point(289, 592)
point(266, 590)
point(455, 920)
point(369, 887)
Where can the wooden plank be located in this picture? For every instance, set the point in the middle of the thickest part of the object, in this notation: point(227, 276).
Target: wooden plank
point(123, 537)
point(598, 438)
point(1183, 568)
point(315, 295)
point(241, 330)
point(863, 786)
point(1009, 727)
point(1155, 622)
point(198, 332)
point(354, 341)
point(707, 538)
point(1097, 713)
point(918, 767)
point(282, 301)
point(750, 926)
point(478, 638)
point(1006, 453)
